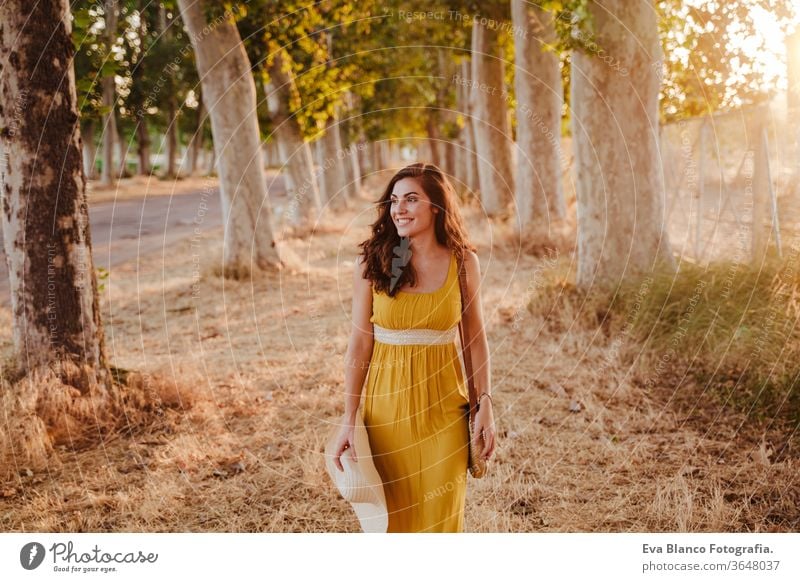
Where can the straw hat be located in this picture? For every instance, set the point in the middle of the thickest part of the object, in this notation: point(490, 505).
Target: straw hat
point(359, 483)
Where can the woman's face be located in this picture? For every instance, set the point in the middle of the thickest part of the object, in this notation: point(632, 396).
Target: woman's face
point(411, 209)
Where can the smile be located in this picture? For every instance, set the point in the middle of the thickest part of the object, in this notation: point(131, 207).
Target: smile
point(403, 221)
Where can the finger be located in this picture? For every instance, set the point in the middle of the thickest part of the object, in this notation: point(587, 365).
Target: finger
point(488, 437)
point(487, 443)
point(493, 447)
point(337, 457)
point(353, 452)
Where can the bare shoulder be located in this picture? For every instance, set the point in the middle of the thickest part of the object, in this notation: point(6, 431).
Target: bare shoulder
point(472, 269)
point(359, 275)
point(360, 266)
point(471, 262)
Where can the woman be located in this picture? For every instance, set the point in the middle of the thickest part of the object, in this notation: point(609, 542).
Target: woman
point(403, 341)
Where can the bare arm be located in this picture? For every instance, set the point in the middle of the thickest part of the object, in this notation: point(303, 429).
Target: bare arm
point(359, 348)
point(475, 330)
point(479, 346)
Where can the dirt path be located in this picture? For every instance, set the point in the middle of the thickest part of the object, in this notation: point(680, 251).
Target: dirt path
point(140, 217)
point(261, 364)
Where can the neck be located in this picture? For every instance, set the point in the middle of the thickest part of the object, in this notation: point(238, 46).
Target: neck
point(424, 244)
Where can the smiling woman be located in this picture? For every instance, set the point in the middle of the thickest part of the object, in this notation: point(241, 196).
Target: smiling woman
point(406, 309)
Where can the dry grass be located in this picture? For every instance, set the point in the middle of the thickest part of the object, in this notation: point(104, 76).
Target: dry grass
point(582, 448)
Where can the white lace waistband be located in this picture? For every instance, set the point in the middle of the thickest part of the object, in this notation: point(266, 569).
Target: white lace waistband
point(405, 337)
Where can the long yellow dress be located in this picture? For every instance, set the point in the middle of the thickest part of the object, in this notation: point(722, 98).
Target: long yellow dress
point(415, 412)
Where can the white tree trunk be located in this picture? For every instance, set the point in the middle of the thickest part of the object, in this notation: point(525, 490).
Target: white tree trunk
point(171, 138)
point(469, 154)
point(44, 212)
point(196, 142)
point(539, 93)
point(273, 158)
point(354, 172)
point(295, 153)
point(89, 152)
point(109, 98)
point(620, 189)
point(229, 94)
point(490, 112)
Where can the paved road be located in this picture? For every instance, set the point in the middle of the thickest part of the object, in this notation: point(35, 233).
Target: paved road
point(121, 231)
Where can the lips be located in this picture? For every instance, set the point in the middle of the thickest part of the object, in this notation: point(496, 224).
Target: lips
point(403, 221)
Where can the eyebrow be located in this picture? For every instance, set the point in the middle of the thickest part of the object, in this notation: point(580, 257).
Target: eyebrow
point(406, 194)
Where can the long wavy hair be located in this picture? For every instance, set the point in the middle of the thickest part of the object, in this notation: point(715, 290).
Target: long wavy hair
point(386, 245)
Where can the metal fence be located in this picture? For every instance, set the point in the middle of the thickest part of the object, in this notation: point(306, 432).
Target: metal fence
point(731, 183)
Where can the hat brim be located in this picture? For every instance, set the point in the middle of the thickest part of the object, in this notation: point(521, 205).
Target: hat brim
point(374, 517)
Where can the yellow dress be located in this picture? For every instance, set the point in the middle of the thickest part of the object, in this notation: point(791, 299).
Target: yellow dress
point(415, 412)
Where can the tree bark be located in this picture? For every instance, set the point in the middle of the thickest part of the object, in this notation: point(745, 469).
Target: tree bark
point(539, 93)
point(490, 112)
point(620, 189)
point(109, 97)
point(229, 94)
point(295, 153)
point(46, 235)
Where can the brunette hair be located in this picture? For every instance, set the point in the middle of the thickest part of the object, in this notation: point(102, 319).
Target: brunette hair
point(381, 248)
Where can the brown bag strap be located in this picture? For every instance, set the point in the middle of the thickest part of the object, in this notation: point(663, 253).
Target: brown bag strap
point(465, 351)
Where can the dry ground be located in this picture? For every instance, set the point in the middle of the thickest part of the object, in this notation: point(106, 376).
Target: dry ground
point(259, 366)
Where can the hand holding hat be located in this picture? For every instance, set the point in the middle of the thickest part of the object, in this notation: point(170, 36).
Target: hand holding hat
point(348, 460)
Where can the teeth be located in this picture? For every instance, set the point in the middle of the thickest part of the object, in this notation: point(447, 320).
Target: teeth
point(403, 220)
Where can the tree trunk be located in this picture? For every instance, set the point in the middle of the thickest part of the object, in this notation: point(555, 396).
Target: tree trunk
point(468, 167)
point(63, 392)
point(171, 137)
point(377, 156)
point(354, 173)
point(212, 162)
point(490, 111)
point(332, 161)
point(434, 154)
point(143, 146)
point(229, 93)
point(122, 148)
point(539, 93)
point(109, 98)
point(365, 162)
point(89, 151)
point(620, 189)
point(295, 153)
point(196, 143)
